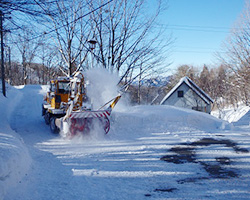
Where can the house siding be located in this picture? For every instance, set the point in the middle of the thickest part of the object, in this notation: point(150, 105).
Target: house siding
point(189, 100)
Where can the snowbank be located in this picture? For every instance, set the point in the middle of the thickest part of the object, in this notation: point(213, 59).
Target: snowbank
point(165, 119)
point(238, 116)
point(14, 157)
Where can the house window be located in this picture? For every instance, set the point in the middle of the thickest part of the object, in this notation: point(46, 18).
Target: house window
point(180, 93)
point(198, 108)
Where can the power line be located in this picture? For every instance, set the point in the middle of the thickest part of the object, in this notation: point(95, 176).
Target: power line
point(196, 49)
point(201, 27)
point(193, 47)
point(52, 30)
point(200, 52)
point(216, 29)
point(199, 30)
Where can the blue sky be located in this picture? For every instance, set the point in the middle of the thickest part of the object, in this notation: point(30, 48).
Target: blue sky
point(199, 28)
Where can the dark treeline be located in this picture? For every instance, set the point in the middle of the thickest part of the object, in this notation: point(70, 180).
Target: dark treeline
point(35, 73)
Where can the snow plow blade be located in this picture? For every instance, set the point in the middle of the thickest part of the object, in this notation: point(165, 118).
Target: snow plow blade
point(82, 122)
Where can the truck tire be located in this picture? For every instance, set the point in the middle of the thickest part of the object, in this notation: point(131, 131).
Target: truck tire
point(53, 127)
point(47, 117)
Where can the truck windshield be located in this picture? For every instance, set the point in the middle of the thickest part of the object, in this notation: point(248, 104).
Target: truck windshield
point(63, 87)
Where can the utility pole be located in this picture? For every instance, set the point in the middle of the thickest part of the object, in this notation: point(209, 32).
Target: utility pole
point(10, 77)
point(2, 54)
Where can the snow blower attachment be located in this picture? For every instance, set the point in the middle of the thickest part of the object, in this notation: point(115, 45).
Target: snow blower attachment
point(66, 108)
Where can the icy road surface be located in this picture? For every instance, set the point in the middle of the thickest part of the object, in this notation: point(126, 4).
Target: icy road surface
point(150, 153)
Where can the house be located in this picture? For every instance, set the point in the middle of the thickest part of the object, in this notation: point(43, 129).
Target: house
point(187, 94)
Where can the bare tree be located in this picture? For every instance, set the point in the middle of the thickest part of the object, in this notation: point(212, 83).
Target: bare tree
point(237, 57)
point(69, 31)
point(20, 15)
point(28, 50)
point(120, 28)
point(124, 42)
point(183, 70)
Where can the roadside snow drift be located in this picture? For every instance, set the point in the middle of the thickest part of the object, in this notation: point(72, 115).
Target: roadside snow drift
point(166, 118)
point(14, 157)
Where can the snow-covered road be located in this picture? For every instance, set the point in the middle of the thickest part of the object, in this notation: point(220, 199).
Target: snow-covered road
point(126, 164)
point(28, 123)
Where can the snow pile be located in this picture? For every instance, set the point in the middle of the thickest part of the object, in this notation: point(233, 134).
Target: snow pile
point(238, 116)
point(165, 119)
point(14, 157)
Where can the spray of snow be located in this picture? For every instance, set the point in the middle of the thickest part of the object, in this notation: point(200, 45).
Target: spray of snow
point(95, 134)
point(65, 129)
point(102, 87)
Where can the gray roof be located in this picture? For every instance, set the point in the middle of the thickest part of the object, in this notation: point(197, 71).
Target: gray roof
point(193, 86)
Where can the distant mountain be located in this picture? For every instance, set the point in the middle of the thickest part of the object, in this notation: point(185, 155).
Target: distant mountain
point(154, 82)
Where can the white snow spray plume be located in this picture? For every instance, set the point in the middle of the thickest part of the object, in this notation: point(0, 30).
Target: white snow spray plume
point(102, 88)
point(65, 129)
point(94, 135)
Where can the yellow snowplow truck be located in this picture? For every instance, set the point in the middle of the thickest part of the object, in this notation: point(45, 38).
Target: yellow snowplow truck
point(66, 108)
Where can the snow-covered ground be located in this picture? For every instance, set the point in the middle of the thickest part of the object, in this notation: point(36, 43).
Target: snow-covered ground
point(14, 156)
point(238, 116)
point(151, 152)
